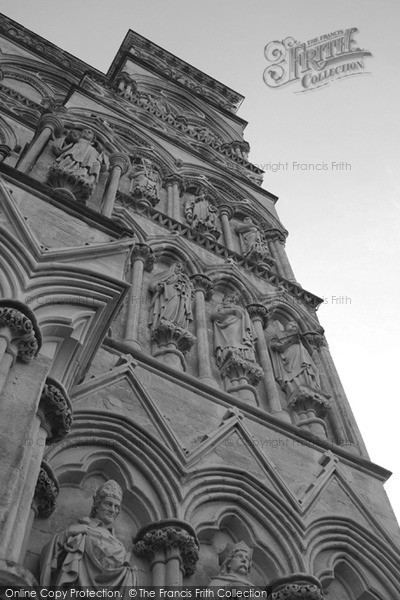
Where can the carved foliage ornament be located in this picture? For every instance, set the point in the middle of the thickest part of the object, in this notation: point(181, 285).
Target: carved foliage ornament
point(170, 537)
point(46, 491)
point(55, 407)
point(298, 592)
point(22, 323)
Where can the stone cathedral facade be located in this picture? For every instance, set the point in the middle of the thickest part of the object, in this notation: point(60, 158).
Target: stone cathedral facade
point(155, 344)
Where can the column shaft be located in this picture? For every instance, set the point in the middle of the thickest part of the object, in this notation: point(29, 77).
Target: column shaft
point(203, 350)
point(111, 191)
point(132, 319)
point(226, 229)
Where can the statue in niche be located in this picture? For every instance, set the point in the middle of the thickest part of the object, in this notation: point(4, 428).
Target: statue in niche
point(293, 365)
point(200, 213)
point(235, 567)
point(146, 180)
point(87, 553)
point(233, 330)
point(173, 296)
point(79, 156)
point(251, 239)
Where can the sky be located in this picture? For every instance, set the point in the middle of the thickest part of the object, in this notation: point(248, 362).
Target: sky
point(343, 225)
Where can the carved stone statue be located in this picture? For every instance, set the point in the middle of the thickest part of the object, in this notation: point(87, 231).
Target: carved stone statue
point(251, 239)
point(88, 553)
point(146, 181)
point(233, 330)
point(292, 363)
point(200, 213)
point(235, 568)
point(173, 296)
point(77, 167)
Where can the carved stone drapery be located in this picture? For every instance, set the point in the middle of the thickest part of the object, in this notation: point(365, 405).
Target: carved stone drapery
point(46, 492)
point(234, 338)
point(170, 315)
point(201, 214)
point(145, 182)
point(55, 411)
point(18, 328)
point(76, 170)
point(299, 378)
point(296, 587)
point(254, 246)
point(173, 549)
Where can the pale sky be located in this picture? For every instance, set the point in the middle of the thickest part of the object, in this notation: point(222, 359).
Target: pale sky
point(343, 225)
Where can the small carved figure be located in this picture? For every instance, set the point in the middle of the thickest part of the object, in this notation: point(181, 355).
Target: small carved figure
point(200, 212)
point(292, 363)
point(173, 297)
point(79, 156)
point(233, 330)
point(87, 553)
point(235, 568)
point(251, 238)
point(145, 180)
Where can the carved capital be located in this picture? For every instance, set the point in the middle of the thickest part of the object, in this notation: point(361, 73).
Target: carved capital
point(51, 121)
point(23, 327)
point(258, 312)
point(316, 340)
point(274, 234)
point(304, 399)
point(144, 253)
point(296, 587)
point(225, 209)
point(167, 333)
point(204, 284)
point(166, 535)
point(46, 491)
point(235, 367)
point(172, 179)
point(55, 410)
point(121, 160)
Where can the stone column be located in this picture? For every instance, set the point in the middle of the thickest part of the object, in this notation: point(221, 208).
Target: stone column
point(225, 214)
point(142, 258)
point(260, 316)
point(299, 586)
point(316, 341)
point(173, 184)
point(203, 287)
point(172, 548)
point(49, 126)
point(277, 241)
point(52, 423)
point(5, 152)
point(119, 163)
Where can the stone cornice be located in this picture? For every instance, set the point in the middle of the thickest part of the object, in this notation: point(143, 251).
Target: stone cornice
point(38, 45)
point(140, 49)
